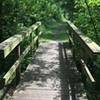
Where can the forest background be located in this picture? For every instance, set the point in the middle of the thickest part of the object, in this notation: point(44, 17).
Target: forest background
point(16, 15)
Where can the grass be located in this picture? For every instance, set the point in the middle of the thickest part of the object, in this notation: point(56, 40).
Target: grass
point(54, 31)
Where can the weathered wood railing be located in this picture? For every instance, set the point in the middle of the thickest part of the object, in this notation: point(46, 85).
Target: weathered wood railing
point(14, 43)
point(86, 54)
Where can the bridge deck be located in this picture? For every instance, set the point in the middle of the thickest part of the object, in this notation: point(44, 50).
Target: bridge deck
point(52, 75)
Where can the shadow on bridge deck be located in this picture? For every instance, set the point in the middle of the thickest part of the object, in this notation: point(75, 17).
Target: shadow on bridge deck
point(71, 85)
point(52, 75)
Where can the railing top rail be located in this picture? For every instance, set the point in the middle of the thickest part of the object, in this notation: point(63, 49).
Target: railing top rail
point(9, 44)
point(89, 43)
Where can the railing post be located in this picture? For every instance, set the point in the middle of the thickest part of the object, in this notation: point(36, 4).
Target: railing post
point(31, 43)
point(69, 35)
point(37, 42)
point(18, 71)
point(2, 64)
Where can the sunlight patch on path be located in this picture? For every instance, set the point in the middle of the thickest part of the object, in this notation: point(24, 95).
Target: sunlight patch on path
point(49, 76)
point(41, 80)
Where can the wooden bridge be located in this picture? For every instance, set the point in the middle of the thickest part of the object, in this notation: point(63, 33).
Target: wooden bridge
point(57, 71)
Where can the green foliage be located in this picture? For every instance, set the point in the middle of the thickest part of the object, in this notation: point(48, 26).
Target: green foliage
point(17, 14)
point(83, 17)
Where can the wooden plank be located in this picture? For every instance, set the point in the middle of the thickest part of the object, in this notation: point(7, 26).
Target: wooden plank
point(31, 29)
point(9, 75)
point(87, 41)
point(12, 70)
point(35, 39)
point(87, 72)
point(2, 92)
point(8, 45)
point(92, 45)
point(71, 40)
